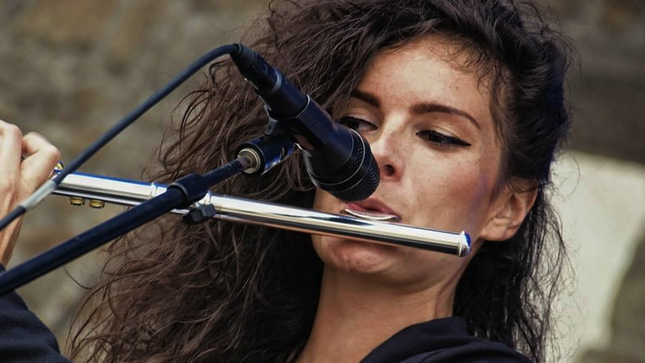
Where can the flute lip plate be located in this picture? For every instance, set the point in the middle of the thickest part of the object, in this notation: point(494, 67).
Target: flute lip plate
point(379, 217)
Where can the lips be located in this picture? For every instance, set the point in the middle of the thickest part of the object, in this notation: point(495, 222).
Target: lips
point(372, 209)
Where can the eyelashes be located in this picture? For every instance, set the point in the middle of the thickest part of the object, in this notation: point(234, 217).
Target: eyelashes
point(357, 124)
point(432, 136)
point(441, 139)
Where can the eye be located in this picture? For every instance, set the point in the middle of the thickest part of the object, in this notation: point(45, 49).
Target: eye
point(441, 139)
point(357, 124)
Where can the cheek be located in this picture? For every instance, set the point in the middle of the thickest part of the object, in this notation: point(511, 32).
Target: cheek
point(325, 202)
point(455, 194)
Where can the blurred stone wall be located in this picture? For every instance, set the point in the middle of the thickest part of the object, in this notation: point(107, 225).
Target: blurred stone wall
point(69, 69)
point(603, 206)
point(606, 87)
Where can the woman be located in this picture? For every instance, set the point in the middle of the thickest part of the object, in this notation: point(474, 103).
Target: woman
point(462, 102)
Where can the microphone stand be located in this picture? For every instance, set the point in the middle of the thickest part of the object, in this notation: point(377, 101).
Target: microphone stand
point(181, 194)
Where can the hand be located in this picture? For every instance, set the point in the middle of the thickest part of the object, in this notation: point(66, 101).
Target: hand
point(19, 179)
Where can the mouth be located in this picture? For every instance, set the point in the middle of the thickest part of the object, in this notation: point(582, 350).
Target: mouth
point(371, 209)
point(372, 216)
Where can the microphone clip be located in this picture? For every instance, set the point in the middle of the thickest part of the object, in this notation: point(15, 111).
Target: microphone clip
point(268, 150)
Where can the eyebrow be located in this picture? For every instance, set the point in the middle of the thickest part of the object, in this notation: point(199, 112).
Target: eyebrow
point(419, 108)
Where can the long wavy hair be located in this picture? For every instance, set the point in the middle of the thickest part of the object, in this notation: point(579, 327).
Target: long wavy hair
point(225, 292)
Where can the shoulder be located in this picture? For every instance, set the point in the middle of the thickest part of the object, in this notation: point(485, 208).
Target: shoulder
point(475, 351)
point(442, 341)
point(23, 337)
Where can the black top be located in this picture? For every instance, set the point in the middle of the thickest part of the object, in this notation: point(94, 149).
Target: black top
point(24, 338)
point(441, 341)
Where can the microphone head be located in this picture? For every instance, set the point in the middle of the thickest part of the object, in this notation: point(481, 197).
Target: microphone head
point(356, 179)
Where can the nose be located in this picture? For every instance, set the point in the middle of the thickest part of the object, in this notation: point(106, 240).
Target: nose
point(387, 170)
point(387, 151)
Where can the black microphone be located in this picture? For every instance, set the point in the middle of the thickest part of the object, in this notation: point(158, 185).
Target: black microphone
point(337, 158)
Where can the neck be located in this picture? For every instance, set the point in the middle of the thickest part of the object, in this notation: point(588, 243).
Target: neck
point(356, 314)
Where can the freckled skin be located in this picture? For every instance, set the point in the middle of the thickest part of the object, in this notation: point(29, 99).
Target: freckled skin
point(429, 125)
point(427, 184)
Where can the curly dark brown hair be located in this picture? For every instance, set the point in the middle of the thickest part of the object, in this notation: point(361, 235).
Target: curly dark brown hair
point(224, 292)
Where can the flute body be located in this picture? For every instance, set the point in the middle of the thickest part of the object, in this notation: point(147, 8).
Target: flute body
point(131, 193)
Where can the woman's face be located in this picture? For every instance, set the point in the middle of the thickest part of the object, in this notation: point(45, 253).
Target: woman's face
point(430, 128)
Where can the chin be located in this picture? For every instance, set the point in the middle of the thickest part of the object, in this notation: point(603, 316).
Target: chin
point(354, 256)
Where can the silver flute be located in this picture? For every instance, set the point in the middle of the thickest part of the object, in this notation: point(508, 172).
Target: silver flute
point(362, 226)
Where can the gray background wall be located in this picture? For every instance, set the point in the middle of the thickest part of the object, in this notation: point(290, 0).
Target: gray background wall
point(70, 68)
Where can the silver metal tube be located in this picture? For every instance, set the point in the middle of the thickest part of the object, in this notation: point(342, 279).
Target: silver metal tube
point(128, 192)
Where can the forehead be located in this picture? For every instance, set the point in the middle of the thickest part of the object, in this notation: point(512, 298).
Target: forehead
point(430, 69)
point(448, 57)
point(461, 55)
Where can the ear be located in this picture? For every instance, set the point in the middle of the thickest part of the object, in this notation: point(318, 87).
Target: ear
point(508, 211)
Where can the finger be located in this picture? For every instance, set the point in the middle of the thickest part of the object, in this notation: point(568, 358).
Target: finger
point(10, 152)
point(10, 155)
point(41, 158)
point(8, 239)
